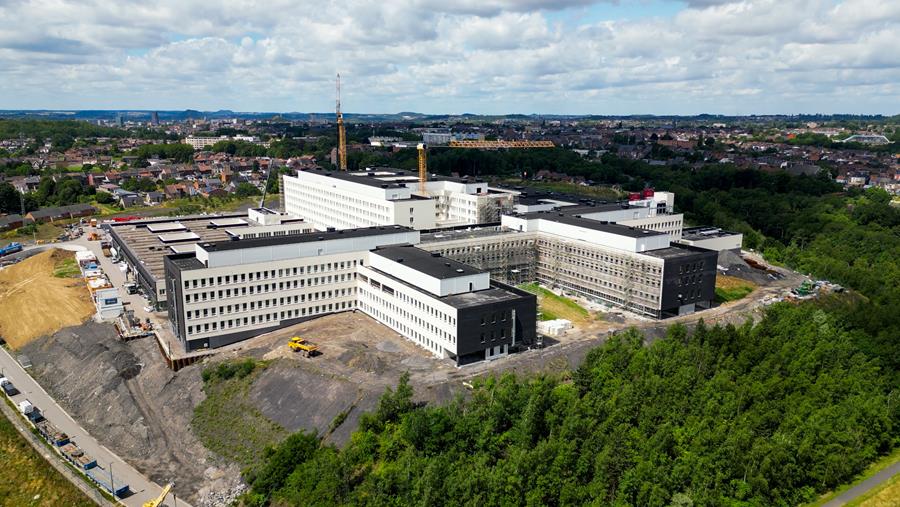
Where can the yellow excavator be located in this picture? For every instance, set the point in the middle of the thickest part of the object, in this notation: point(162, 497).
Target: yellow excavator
point(298, 344)
point(162, 496)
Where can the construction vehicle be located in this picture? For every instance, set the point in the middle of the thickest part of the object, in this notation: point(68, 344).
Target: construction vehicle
point(162, 496)
point(298, 344)
point(93, 236)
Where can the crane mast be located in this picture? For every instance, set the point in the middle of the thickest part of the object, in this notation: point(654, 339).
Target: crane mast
point(423, 167)
point(342, 141)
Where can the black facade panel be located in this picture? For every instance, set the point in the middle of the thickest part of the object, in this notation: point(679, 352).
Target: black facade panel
point(493, 324)
point(222, 340)
point(689, 279)
point(174, 289)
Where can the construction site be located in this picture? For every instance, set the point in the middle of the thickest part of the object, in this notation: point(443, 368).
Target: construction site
point(149, 338)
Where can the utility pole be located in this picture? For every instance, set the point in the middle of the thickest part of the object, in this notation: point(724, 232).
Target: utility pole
point(33, 229)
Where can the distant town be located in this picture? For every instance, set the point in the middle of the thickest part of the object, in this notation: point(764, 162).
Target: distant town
point(232, 156)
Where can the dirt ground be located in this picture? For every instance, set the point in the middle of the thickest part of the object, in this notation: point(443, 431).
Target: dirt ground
point(132, 403)
point(358, 359)
point(34, 303)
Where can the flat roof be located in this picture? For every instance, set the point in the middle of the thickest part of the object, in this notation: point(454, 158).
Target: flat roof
point(307, 237)
point(355, 177)
point(144, 247)
point(469, 232)
point(700, 233)
point(587, 223)
point(166, 227)
point(532, 196)
point(183, 248)
point(380, 176)
point(579, 209)
point(493, 294)
point(178, 236)
point(227, 222)
point(676, 251)
point(432, 264)
point(186, 262)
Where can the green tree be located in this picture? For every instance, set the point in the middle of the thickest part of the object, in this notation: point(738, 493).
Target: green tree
point(10, 199)
point(245, 189)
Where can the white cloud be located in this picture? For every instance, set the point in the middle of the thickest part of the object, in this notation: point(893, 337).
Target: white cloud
point(438, 56)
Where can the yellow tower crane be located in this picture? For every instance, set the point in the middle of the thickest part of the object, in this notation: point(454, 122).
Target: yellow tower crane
point(423, 167)
point(480, 145)
point(342, 140)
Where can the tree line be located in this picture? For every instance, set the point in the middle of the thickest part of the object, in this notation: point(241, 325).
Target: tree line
point(766, 414)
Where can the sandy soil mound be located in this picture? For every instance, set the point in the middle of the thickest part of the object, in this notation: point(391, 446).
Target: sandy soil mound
point(34, 302)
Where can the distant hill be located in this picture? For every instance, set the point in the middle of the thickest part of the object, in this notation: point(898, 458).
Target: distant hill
point(192, 114)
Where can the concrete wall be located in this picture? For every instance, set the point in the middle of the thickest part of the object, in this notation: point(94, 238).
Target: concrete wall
point(289, 251)
point(438, 286)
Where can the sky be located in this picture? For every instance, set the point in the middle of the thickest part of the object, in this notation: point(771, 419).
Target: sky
point(611, 57)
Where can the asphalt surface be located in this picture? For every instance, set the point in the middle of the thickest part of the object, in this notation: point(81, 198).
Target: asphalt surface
point(142, 488)
point(864, 486)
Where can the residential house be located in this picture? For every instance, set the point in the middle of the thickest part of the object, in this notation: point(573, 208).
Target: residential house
point(10, 222)
point(63, 212)
point(175, 191)
point(151, 198)
point(126, 199)
point(27, 184)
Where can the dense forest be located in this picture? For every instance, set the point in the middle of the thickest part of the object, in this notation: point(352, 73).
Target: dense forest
point(767, 414)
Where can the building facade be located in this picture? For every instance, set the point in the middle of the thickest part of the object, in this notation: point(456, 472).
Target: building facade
point(637, 269)
point(449, 308)
point(226, 292)
point(350, 200)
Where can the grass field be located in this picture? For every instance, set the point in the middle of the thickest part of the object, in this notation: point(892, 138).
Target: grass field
point(66, 268)
point(886, 496)
point(45, 232)
point(730, 288)
point(193, 205)
point(227, 424)
point(26, 479)
point(552, 306)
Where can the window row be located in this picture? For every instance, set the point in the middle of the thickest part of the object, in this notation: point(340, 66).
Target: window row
point(269, 274)
point(267, 303)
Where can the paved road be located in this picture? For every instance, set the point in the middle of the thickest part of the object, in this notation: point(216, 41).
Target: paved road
point(864, 486)
point(143, 488)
